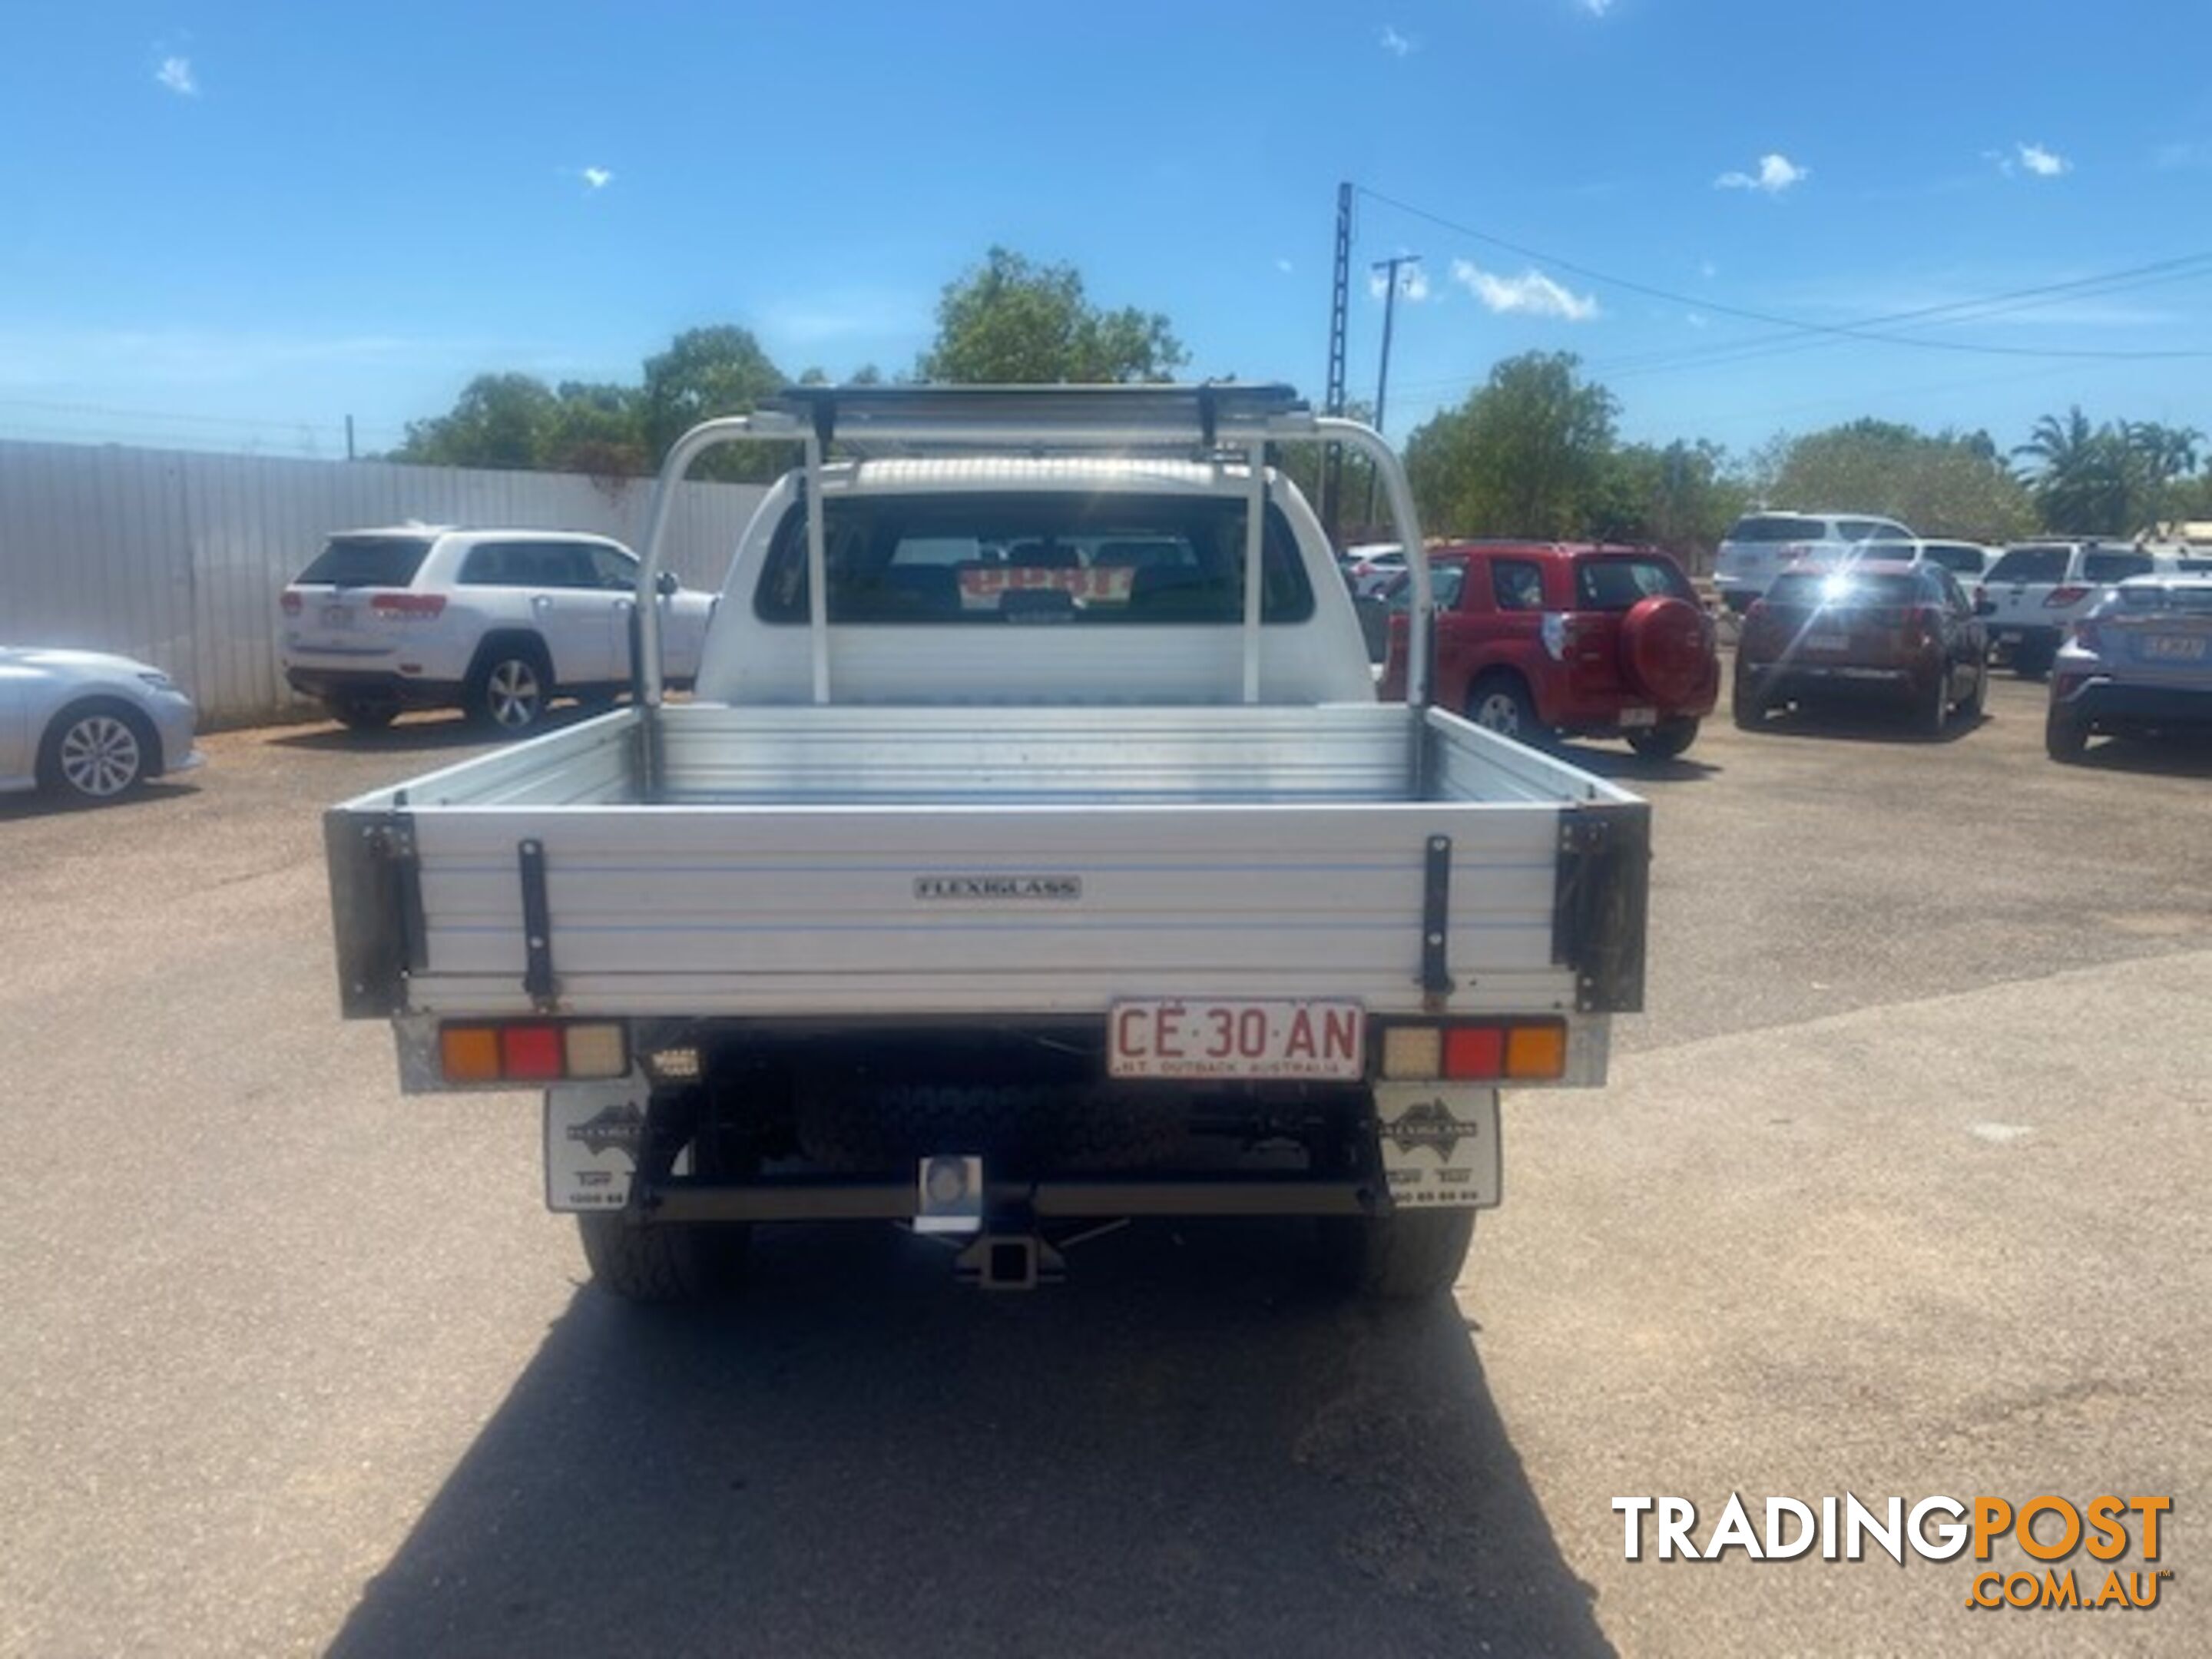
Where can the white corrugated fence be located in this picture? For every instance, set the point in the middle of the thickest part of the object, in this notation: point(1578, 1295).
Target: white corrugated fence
point(178, 557)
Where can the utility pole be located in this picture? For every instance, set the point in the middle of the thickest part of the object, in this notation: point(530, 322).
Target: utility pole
point(348, 437)
point(1382, 376)
point(1339, 313)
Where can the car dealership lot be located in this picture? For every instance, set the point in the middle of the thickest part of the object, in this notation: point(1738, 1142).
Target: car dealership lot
point(1898, 1191)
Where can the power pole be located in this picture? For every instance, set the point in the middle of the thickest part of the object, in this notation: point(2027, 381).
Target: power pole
point(348, 437)
point(1382, 377)
point(1339, 313)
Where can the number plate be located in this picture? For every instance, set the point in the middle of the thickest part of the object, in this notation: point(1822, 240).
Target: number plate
point(1827, 642)
point(1639, 717)
point(2174, 647)
point(1168, 1038)
point(337, 615)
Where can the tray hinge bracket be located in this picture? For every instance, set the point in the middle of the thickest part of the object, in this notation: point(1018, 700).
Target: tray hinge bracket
point(1437, 982)
point(537, 929)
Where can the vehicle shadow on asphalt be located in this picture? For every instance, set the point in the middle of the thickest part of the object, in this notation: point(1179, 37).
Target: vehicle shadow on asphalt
point(424, 735)
point(1182, 1452)
point(1843, 724)
point(41, 804)
point(2175, 757)
point(1628, 766)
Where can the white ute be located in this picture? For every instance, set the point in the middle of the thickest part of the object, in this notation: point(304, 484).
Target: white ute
point(1032, 856)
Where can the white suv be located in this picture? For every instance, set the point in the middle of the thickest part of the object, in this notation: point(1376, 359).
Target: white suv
point(1760, 546)
point(2037, 590)
point(498, 622)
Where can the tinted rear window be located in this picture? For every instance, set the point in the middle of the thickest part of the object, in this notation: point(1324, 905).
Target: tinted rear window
point(1773, 527)
point(1620, 583)
point(2116, 567)
point(2196, 601)
point(1023, 557)
point(368, 561)
point(2032, 564)
point(1955, 556)
point(1807, 589)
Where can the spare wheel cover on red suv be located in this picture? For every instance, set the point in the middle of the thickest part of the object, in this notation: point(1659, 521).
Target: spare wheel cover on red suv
point(1662, 648)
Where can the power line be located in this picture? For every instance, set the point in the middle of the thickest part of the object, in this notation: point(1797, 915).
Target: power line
point(1798, 325)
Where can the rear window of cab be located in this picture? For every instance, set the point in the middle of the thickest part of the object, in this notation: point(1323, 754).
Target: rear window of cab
point(1034, 557)
point(368, 561)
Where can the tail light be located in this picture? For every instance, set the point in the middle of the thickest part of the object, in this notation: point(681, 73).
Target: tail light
point(1476, 1051)
point(1981, 594)
point(1921, 624)
point(424, 605)
point(2061, 597)
point(2087, 633)
point(293, 603)
point(533, 1051)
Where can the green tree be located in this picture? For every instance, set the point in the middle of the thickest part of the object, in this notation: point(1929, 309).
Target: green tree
point(1009, 322)
point(1525, 455)
point(1941, 483)
point(498, 421)
point(1682, 497)
point(597, 428)
point(707, 373)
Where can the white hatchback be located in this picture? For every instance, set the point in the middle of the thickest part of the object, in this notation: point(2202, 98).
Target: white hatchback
point(497, 623)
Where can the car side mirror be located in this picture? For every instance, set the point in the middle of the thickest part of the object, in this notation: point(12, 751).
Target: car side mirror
point(1985, 607)
point(666, 585)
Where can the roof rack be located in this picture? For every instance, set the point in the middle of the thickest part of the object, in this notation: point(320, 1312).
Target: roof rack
point(1041, 417)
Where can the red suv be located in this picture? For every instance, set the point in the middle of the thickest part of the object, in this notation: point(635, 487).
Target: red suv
point(1540, 638)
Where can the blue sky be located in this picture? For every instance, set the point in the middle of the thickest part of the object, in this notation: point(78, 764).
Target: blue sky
point(231, 225)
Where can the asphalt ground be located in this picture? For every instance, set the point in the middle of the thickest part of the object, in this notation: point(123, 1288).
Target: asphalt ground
point(1898, 1190)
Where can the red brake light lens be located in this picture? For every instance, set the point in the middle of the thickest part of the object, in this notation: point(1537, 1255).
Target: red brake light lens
point(1474, 1051)
point(531, 1052)
point(2066, 596)
point(292, 604)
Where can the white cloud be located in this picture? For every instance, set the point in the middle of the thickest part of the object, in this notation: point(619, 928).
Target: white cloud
point(1395, 44)
point(176, 74)
point(2042, 163)
point(1283, 265)
point(1596, 8)
point(1531, 292)
point(596, 177)
point(1776, 174)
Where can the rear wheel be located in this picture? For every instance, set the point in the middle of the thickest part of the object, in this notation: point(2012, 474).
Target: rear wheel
point(98, 751)
point(1499, 703)
point(1404, 1256)
point(2065, 736)
point(1745, 704)
point(1935, 711)
point(1665, 740)
point(666, 1263)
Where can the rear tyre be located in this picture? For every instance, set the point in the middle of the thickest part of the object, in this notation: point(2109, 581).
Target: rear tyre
point(663, 1264)
point(1665, 740)
point(1745, 706)
point(2065, 737)
point(362, 713)
point(1971, 708)
point(1407, 1256)
point(1934, 714)
point(511, 688)
point(98, 751)
point(1500, 702)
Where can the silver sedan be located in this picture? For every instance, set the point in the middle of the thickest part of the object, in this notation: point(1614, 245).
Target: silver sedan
point(88, 727)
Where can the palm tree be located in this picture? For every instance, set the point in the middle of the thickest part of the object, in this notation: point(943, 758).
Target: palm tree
point(2082, 482)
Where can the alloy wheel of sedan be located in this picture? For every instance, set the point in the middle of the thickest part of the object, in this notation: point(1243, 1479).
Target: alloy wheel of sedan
point(513, 695)
point(99, 757)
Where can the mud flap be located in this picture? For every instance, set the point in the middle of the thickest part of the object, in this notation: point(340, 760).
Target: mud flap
point(591, 1136)
point(1439, 1145)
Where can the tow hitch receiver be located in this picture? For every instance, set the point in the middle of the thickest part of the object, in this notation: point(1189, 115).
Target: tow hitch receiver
point(1010, 1261)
